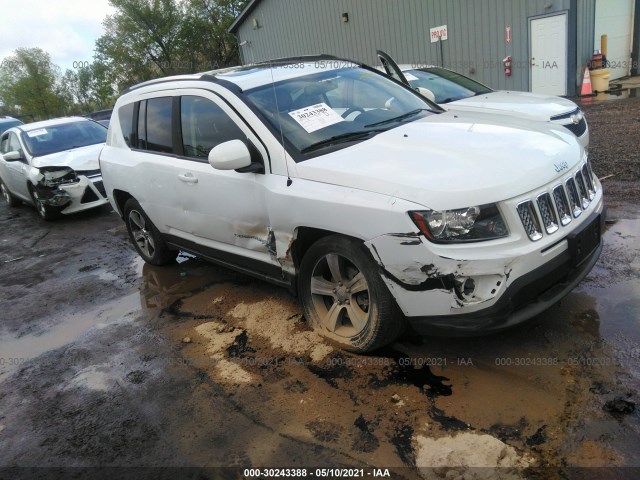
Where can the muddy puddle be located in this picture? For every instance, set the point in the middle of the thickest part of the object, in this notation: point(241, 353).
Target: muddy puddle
point(191, 349)
point(552, 393)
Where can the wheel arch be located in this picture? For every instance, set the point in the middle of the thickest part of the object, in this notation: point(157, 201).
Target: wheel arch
point(303, 238)
point(120, 198)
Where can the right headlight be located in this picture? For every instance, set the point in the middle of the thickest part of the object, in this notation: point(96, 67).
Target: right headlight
point(470, 224)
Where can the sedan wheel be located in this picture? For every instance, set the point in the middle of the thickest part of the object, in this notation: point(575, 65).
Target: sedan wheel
point(344, 297)
point(8, 197)
point(46, 212)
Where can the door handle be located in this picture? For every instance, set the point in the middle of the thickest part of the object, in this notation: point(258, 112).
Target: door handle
point(188, 178)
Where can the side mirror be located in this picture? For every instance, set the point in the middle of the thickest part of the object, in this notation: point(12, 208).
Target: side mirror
point(425, 92)
point(230, 155)
point(14, 156)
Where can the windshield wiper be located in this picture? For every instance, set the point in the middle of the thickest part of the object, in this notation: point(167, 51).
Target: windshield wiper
point(343, 137)
point(399, 117)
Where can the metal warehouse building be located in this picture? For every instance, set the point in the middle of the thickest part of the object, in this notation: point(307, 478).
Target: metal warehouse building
point(549, 42)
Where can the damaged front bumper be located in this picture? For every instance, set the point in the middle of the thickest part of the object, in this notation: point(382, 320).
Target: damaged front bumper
point(84, 194)
point(475, 289)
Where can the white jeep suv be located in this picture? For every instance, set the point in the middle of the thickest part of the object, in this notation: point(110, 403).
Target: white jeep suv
point(373, 204)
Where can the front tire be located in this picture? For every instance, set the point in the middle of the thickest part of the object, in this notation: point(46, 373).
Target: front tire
point(45, 212)
point(8, 196)
point(145, 237)
point(344, 298)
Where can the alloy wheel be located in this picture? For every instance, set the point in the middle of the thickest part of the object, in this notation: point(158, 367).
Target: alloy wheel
point(341, 295)
point(141, 235)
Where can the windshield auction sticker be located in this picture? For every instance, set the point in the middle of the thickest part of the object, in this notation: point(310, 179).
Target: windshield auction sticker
point(37, 133)
point(316, 117)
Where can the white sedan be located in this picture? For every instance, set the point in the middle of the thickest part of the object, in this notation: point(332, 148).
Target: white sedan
point(453, 91)
point(53, 165)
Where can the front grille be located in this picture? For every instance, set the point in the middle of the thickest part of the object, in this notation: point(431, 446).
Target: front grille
point(555, 208)
point(577, 129)
point(89, 173)
point(100, 187)
point(562, 116)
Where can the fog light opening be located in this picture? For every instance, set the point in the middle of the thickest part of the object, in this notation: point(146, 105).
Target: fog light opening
point(466, 288)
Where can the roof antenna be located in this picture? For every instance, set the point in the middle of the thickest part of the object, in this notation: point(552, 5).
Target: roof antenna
point(284, 151)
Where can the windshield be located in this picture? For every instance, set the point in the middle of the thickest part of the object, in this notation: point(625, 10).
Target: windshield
point(66, 136)
point(446, 86)
point(336, 107)
point(6, 125)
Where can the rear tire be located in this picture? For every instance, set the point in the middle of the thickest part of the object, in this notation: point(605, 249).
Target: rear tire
point(344, 297)
point(145, 237)
point(8, 196)
point(45, 212)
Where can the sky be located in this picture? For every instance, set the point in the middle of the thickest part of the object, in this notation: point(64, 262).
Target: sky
point(67, 29)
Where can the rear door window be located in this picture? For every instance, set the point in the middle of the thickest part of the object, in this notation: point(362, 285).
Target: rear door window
point(158, 125)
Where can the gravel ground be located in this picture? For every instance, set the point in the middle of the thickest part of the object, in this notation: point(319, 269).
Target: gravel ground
point(615, 145)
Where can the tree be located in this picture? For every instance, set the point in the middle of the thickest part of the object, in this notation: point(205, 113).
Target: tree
point(141, 40)
point(204, 39)
point(147, 39)
point(29, 84)
point(88, 88)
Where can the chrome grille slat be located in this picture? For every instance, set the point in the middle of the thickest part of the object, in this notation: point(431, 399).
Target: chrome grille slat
point(529, 219)
point(582, 190)
point(593, 177)
point(548, 214)
point(562, 205)
point(589, 182)
point(574, 199)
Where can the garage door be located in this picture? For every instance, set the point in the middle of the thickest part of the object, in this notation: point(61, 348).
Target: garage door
point(614, 17)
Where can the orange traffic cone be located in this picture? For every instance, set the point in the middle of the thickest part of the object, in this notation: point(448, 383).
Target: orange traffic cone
point(586, 84)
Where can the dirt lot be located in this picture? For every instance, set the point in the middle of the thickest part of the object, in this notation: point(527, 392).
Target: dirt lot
point(106, 362)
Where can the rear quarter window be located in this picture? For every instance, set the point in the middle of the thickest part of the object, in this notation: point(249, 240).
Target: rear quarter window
point(125, 117)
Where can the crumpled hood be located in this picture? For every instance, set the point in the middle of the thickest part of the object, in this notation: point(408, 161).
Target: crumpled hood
point(83, 158)
point(452, 160)
point(522, 104)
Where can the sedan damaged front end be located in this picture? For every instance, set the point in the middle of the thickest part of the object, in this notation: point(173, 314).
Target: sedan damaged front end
point(69, 190)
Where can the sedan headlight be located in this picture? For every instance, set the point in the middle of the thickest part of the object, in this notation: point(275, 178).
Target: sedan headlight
point(471, 224)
